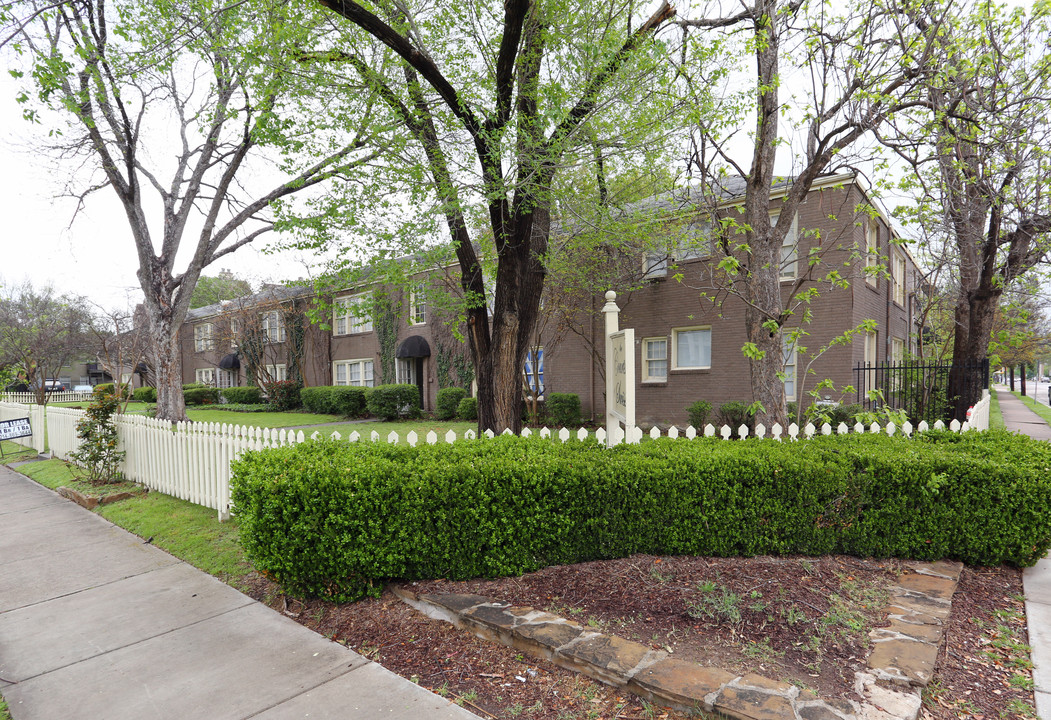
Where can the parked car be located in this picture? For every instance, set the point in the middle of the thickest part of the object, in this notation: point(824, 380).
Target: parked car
point(54, 386)
point(83, 389)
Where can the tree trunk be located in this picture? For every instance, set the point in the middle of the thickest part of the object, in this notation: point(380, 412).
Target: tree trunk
point(167, 367)
point(1012, 372)
point(974, 315)
point(764, 302)
point(1023, 380)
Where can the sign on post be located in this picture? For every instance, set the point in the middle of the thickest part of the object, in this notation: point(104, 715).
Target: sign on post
point(17, 428)
point(620, 374)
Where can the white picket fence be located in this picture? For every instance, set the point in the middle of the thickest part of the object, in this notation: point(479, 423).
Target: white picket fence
point(35, 413)
point(192, 460)
point(58, 397)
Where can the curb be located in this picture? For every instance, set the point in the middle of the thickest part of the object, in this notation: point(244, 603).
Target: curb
point(900, 665)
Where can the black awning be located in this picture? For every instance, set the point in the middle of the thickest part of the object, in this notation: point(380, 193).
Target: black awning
point(141, 368)
point(414, 347)
point(230, 362)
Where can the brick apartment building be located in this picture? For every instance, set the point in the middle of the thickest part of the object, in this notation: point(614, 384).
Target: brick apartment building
point(687, 348)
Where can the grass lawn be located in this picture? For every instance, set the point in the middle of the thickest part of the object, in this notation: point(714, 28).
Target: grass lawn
point(189, 532)
point(421, 427)
point(996, 418)
point(4, 714)
point(1042, 410)
point(259, 419)
point(13, 452)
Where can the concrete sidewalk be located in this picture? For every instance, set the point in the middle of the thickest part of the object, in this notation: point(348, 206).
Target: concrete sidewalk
point(94, 623)
point(1037, 579)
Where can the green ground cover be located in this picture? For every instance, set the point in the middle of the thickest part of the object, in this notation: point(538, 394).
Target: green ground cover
point(13, 452)
point(996, 418)
point(1040, 409)
point(261, 419)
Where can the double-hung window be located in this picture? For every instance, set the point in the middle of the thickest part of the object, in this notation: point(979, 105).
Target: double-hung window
point(352, 314)
point(691, 348)
point(871, 251)
point(273, 325)
point(203, 337)
point(655, 359)
point(534, 371)
point(418, 305)
point(789, 357)
point(899, 279)
point(357, 373)
point(789, 249)
point(205, 376)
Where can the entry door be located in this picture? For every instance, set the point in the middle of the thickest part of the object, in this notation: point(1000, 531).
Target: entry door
point(410, 372)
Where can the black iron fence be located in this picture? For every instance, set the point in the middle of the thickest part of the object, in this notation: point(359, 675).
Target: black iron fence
point(925, 391)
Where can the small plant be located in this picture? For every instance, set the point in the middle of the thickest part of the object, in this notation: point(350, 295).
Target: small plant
point(715, 603)
point(699, 413)
point(283, 395)
point(761, 650)
point(735, 414)
point(447, 402)
point(563, 409)
point(467, 409)
point(98, 455)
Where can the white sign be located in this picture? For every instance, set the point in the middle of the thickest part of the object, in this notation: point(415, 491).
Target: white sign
point(17, 428)
point(622, 366)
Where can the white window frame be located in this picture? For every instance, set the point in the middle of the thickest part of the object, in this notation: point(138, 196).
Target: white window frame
point(871, 339)
point(273, 324)
point(346, 320)
point(205, 376)
point(675, 333)
point(204, 337)
point(897, 350)
point(790, 370)
point(899, 279)
point(277, 373)
point(362, 368)
point(418, 305)
point(789, 268)
point(226, 378)
point(871, 250)
point(647, 374)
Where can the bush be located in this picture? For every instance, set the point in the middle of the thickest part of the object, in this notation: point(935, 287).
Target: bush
point(467, 409)
point(244, 407)
point(245, 395)
point(198, 394)
point(486, 508)
point(699, 413)
point(735, 414)
point(448, 402)
point(390, 402)
point(283, 395)
point(563, 409)
point(109, 389)
point(336, 400)
point(145, 394)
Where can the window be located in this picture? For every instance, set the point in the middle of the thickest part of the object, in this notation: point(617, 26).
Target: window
point(235, 327)
point(534, 371)
point(692, 242)
point(899, 279)
point(227, 378)
point(691, 348)
point(353, 372)
point(406, 371)
point(897, 351)
point(655, 359)
point(789, 249)
point(418, 305)
point(871, 250)
point(203, 337)
point(352, 314)
point(789, 356)
point(274, 326)
point(277, 373)
point(205, 376)
point(654, 265)
point(870, 349)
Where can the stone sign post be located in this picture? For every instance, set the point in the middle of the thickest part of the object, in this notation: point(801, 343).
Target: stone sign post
point(620, 375)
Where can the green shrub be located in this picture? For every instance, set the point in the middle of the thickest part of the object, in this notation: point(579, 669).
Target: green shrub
point(335, 400)
point(283, 395)
point(245, 395)
point(244, 407)
point(200, 395)
point(699, 413)
point(735, 414)
point(145, 394)
point(108, 389)
point(448, 402)
point(336, 519)
point(390, 402)
point(563, 409)
point(195, 386)
point(467, 409)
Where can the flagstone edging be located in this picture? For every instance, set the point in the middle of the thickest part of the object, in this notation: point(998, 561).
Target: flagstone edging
point(900, 664)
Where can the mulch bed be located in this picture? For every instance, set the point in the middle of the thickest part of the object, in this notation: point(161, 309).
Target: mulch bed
point(802, 620)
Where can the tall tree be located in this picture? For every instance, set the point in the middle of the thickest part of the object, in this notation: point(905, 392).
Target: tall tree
point(217, 89)
point(211, 289)
point(850, 75)
point(41, 332)
point(496, 98)
point(979, 146)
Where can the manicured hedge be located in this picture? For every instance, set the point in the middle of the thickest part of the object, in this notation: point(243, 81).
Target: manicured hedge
point(447, 402)
point(563, 409)
point(145, 394)
point(243, 395)
point(335, 519)
point(194, 394)
point(467, 409)
point(390, 402)
point(336, 400)
point(283, 395)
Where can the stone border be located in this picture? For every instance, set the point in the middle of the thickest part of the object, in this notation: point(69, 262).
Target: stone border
point(900, 664)
point(92, 501)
